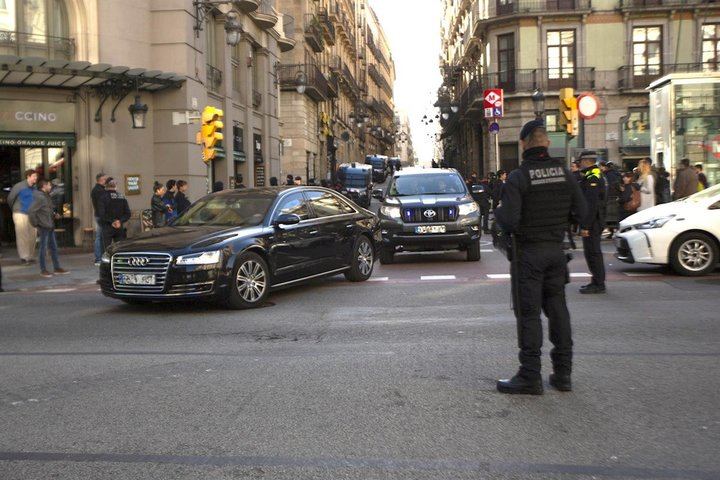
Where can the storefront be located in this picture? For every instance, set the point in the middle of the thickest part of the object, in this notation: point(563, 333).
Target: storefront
point(38, 136)
point(685, 122)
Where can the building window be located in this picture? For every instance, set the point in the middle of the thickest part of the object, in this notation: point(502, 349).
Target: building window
point(647, 53)
point(505, 7)
point(35, 28)
point(236, 72)
point(561, 58)
point(506, 61)
point(711, 47)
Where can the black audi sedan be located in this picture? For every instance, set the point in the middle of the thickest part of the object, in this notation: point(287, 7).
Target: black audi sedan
point(236, 246)
point(428, 209)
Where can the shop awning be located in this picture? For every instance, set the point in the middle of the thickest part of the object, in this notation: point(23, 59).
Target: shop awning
point(41, 72)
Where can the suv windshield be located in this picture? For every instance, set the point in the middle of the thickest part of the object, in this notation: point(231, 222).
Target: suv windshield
point(377, 162)
point(437, 184)
point(226, 211)
point(355, 181)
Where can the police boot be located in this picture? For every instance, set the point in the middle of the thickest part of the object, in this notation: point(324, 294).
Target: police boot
point(520, 385)
point(561, 381)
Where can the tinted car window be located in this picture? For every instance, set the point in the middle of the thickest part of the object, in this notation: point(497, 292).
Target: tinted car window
point(294, 204)
point(226, 211)
point(437, 184)
point(326, 204)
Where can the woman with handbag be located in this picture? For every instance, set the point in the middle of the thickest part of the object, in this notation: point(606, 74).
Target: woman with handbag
point(629, 199)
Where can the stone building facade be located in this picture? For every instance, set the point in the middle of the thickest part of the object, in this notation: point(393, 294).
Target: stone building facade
point(611, 48)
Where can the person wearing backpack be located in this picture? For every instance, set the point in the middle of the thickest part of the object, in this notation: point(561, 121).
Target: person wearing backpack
point(629, 199)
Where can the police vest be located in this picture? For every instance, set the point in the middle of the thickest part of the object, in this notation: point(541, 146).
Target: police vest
point(546, 202)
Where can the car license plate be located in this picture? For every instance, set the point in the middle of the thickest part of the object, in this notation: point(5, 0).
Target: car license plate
point(430, 229)
point(136, 279)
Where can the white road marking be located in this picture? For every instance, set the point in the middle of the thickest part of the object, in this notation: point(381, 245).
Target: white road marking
point(437, 277)
point(487, 250)
point(498, 276)
point(378, 279)
point(580, 275)
point(58, 290)
point(642, 274)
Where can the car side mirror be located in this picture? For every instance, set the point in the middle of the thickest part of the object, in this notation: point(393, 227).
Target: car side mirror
point(378, 193)
point(286, 219)
point(477, 189)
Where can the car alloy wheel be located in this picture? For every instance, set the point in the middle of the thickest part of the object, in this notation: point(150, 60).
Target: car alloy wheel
point(695, 254)
point(365, 257)
point(251, 281)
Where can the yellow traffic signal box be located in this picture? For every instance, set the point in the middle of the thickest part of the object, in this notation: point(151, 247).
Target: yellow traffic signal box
point(210, 135)
point(569, 119)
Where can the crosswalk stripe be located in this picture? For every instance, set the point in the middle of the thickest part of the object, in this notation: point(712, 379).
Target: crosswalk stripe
point(580, 275)
point(378, 279)
point(498, 276)
point(57, 290)
point(641, 274)
point(437, 277)
point(486, 250)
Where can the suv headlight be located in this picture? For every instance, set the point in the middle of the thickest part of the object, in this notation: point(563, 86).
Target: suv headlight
point(105, 257)
point(204, 258)
point(654, 223)
point(468, 208)
point(392, 212)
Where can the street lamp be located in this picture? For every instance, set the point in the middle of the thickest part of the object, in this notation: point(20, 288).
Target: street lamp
point(301, 82)
point(445, 114)
point(538, 98)
point(233, 29)
point(454, 107)
point(138, 112)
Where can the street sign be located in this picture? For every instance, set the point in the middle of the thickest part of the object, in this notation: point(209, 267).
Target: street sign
point(494, 127)
point(588, 106)
point(493, 102)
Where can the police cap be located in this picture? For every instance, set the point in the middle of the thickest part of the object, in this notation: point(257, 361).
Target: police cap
point(530, 127)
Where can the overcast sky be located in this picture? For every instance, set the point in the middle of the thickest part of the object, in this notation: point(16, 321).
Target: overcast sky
point(413, 30)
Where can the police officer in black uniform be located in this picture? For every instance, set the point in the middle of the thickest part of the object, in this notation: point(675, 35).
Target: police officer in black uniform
point(536, 204)
point(113, 211)
point(591, 226)
point(480, 191)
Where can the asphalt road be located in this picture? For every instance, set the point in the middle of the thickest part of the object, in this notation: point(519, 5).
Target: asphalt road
point(393, 378)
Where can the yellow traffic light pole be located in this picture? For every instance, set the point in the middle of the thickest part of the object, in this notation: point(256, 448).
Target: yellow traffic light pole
point(569, 118)
point(210, 137)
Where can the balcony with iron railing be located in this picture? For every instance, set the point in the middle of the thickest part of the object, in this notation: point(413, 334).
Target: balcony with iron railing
point(328, 28)
point(290, 77)
point(639, 77)
point(287, 39)
point(266, 16)
point(31, 45)
point(526, 81)
point(349, 80)
point(333, 85)
point(504, 8)
point(313, 33)
point(660, 4)
point(214, 78)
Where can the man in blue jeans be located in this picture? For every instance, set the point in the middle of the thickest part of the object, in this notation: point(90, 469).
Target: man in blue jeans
point(42, 216)
point(96, 194)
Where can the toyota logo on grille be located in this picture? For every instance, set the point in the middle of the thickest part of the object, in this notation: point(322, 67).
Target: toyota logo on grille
point(138, 261)
point(429, 213)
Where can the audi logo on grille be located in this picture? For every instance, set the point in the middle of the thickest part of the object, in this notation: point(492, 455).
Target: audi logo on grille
point(430, 213)
point(138, 261)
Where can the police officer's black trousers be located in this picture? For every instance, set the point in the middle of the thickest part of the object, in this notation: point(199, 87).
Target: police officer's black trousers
point(485, 214)
point(594, 255)
point(539, 277)
point(111, 234)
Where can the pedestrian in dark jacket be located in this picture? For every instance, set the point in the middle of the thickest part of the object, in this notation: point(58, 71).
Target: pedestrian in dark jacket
point(158, 207)
point(702, 178)
point(239, 182)
point(480, 191)
point(114, 212)
point(218, 187)
point(613, 180)
point(627, 189)
point(289, 180)
point(42, 216)
point(686, 180)
point(662, 187)
point(169, 199)
point(497, 188)
point(97, 192)
point(181, 201)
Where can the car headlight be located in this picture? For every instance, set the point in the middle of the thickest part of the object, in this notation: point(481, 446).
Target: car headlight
point(204, 258)
point(392, 212)
point(654, 223)
point(105, 258)
point(468, 208)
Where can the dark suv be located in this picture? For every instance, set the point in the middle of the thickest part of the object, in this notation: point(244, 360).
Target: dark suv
point(428, 210)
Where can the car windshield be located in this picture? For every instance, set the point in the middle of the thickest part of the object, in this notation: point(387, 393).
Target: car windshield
point(437, 184)
point(377, 162)
point(355, 181)
point(226, 211)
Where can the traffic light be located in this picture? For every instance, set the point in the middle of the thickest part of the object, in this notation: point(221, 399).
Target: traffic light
point(569, 118)
point(210, 135)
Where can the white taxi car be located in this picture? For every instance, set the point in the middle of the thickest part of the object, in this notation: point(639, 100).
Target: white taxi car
point(684, 234)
